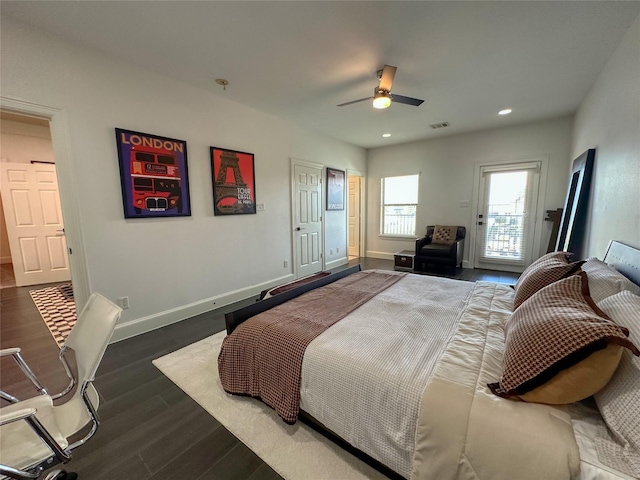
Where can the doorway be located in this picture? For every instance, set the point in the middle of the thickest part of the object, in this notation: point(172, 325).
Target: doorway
point(355, 217)
point(506, 216)
point(34, 249)
point(66, 172)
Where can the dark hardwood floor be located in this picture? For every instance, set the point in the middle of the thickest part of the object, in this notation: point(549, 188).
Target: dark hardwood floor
point(150, 429)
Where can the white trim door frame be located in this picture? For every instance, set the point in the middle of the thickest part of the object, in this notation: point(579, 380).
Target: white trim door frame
point(59, 126)
point(538, 213)
point(311, 228)
point(363, 210)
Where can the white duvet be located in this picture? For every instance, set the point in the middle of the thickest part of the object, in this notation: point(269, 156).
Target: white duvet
point(403, 378)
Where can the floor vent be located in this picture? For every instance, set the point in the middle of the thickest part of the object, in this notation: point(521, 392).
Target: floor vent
point(439, 125)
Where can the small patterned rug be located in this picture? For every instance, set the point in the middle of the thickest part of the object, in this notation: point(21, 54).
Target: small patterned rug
point(57, 308)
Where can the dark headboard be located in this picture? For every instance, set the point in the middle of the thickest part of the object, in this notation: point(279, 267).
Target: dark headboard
point(233, 319)
point(625, 259)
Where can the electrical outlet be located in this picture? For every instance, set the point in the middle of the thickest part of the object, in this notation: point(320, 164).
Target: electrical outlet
point(337, 249)
point(260, 207)
point(331, 252)
point(124, 302)
point(286, 264)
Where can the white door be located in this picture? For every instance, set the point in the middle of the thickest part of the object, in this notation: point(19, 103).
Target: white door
point(307, 223)
point(505, 224)
point(34, 223)
point(353, 206)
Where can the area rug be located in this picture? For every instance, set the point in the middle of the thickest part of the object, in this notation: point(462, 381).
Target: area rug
point(57, 308)
point(295, 452)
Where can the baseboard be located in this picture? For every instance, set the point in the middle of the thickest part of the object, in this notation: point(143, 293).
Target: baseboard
point(336, 263)
point(161, 319)
point(382, 255)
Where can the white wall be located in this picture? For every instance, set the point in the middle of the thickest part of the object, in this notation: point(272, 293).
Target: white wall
point(447, 167)
point(609, 121)
point(165, 265)
point(21, 142)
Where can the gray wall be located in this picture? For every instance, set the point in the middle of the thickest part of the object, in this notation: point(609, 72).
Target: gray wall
point(609, 121)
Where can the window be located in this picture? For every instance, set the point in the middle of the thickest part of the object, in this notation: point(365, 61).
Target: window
point(399, 203)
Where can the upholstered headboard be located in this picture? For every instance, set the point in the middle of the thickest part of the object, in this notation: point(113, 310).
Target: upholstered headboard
point(625, 259)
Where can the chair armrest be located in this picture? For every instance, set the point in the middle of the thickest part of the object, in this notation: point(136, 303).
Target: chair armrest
point(421, 242)
point(9, 351)
point(15, 353)
point(21, 414)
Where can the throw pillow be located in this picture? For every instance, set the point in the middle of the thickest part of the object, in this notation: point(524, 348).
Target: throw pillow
point(604, 280)
point(547, 269)
point(618, 402)
point(555, 329)
point(444, 234)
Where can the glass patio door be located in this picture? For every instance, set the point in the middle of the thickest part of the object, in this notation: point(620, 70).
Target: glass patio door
point(506, 216)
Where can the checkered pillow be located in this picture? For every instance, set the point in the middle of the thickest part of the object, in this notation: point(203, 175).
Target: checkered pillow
point(556, 328)
point(604, 280)
point(444, 234)
point(547, 269)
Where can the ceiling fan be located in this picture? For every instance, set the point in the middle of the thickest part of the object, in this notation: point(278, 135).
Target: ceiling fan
point(382, 97)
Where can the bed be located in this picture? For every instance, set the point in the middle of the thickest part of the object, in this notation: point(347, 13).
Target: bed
point(404, 375)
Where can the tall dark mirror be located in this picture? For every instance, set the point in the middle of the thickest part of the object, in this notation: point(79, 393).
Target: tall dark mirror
point(574, 215)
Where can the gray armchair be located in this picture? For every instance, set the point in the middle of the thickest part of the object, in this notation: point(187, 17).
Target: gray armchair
point(437, 253)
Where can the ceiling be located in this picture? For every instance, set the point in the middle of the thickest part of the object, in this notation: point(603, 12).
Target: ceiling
point(298, 60)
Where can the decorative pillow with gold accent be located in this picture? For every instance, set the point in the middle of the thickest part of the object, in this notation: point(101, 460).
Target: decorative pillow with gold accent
point(547, 269)
point(551, 340)
point(444, 234)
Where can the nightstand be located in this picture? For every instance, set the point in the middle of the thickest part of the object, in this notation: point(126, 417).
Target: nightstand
point(403, 260)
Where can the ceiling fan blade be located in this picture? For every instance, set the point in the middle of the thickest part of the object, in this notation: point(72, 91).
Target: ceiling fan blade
point(386, 79)
point(406, 100)
point(354, 101)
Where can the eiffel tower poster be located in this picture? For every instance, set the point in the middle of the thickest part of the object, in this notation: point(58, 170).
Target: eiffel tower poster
point(233, 178)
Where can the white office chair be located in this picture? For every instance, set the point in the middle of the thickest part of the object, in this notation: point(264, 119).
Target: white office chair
point(34, 433)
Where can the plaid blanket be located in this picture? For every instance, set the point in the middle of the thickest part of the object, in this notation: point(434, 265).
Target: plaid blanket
point(263, 356)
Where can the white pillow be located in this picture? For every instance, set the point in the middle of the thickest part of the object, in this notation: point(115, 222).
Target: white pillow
point(619, 400)
point(604, 280)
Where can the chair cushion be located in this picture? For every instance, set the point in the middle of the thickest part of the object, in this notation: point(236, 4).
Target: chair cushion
point(435, 250)
point(444, 234)
point(19, 444)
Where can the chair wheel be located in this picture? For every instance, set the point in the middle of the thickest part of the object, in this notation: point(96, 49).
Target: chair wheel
point(61, 475)
point(67, 476)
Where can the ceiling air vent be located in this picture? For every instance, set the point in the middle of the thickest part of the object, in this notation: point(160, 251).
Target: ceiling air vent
point(439, 125)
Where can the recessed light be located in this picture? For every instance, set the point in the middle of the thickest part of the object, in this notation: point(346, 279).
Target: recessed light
point(506, 111)
point(386, 135)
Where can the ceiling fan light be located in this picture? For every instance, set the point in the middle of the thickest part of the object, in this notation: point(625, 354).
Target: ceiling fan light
point(381, 100)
